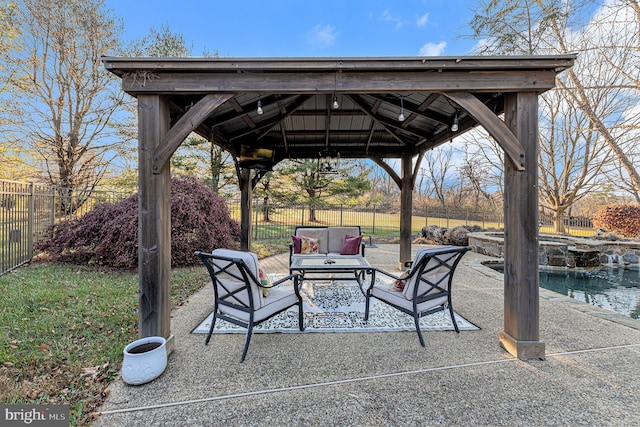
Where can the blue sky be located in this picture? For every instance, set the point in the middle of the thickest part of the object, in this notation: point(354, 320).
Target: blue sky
point(306, 27)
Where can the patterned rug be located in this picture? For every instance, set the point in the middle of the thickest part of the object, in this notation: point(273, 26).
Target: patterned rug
point(339, 307)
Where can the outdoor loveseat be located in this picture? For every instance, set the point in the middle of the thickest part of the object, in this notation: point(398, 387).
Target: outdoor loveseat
point(318, 241)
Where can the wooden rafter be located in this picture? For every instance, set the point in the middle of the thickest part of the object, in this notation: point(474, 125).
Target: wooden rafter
point(187, 124)
point(496, 127)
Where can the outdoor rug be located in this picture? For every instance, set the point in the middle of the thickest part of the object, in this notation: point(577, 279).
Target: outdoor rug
point(339, 307)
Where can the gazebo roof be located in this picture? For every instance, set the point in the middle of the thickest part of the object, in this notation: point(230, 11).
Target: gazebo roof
point(297, 94)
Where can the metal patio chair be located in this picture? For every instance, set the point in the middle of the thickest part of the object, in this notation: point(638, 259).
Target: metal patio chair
point(424, 290)
point(238, 292)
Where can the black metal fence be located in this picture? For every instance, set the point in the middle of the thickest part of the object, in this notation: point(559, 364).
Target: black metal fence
point(28, 209)
point(278, 221)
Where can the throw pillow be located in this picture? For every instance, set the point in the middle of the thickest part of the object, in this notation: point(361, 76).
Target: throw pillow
point(399, 284)
point(309, 245)
point(297, 243)
point(351, 245)
point(264, 281)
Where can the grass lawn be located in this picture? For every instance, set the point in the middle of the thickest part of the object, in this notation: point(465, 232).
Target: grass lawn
point(63, 329)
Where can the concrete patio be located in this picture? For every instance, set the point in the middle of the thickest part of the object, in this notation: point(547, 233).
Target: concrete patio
point(591, 375)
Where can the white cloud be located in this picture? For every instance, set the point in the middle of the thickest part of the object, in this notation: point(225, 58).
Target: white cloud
point(386, 16)
point(432, 49)
point(422, 20)
point(322, 36)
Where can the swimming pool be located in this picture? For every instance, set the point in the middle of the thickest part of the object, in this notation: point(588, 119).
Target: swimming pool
point(614, 289)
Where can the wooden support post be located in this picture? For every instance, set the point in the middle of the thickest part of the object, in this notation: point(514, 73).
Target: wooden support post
point(406, 210)
point(520, 336)
point(154, 221)
point(244, 178)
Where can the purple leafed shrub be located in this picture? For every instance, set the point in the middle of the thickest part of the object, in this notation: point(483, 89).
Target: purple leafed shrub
point(108, 234)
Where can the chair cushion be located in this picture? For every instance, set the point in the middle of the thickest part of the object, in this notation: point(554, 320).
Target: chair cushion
point(351, 245)
point(383, 292)
point(309, 245)
point(433, 276)
point(253, 265)
point(278, 300)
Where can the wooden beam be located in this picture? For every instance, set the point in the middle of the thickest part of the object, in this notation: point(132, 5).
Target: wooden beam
point(352, 82)
point(381, 120)
point(121, 65)
point(406, 210)
point(521, 281)
point(496, 127)
point(384, 165)
point(154, 221)
point(187, 124)
point(244, 180)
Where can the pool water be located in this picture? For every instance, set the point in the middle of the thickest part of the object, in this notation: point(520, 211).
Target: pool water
point(614, 289)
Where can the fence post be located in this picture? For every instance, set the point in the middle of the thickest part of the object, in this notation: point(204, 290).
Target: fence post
point(341, 206)
point(426, 216)
point(30, 220)
point(375, 208)
point(53, 205)
point(302, 222)
point(446, 214)
point(256, 210)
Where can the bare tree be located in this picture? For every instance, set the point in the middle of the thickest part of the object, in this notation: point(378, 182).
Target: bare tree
point(67, 100)
point(438, 162)
point(572, 159)
point(602, 92)
point(476, 178)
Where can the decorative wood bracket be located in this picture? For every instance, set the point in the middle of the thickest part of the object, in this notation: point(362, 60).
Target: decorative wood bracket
point(187, 124)
point(384, 165)
point(496, 127)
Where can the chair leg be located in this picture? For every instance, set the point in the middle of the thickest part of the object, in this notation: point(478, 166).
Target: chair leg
point(416, 318)
point(213, 323)
point(300, 317)
point(246, 342)
point(366, 305)
point(453, 318)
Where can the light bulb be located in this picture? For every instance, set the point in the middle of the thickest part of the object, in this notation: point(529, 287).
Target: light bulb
point(401, 116)
point(335, 102)
point(454, 126)
point(259, 110)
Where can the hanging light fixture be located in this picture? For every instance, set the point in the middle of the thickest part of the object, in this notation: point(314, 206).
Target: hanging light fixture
point(335, 102)
point(454, 126)
point(401, 115)
point(329, 161)
point(259, 110)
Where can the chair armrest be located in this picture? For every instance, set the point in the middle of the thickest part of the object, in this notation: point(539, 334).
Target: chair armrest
point(362, 246)
point(284, 279)
point(393, 276)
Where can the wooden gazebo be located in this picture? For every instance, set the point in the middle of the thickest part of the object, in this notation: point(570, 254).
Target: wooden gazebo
point(217, 98)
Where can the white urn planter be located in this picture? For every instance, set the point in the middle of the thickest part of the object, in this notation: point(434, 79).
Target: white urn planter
point(144, 360)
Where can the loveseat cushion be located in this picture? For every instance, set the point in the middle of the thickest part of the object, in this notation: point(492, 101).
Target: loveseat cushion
point(337, 236)
point(317, 233)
